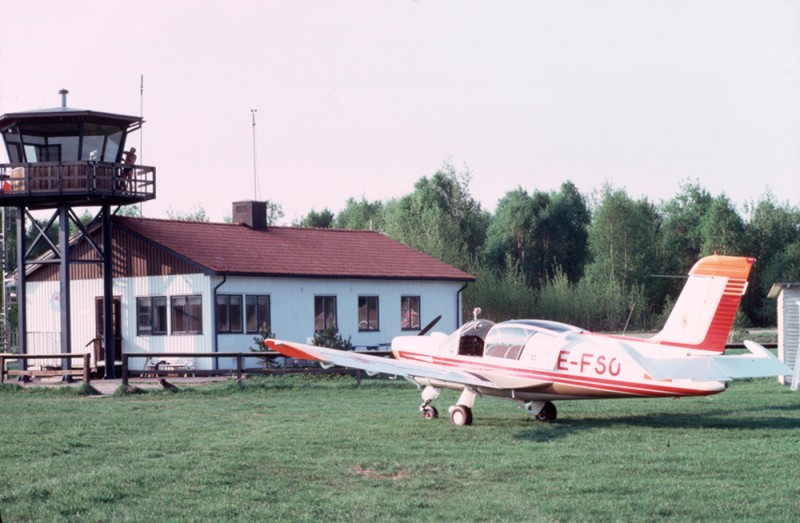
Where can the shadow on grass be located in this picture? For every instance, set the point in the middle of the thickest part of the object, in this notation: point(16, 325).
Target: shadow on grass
point(789, 408)
point(728, 419)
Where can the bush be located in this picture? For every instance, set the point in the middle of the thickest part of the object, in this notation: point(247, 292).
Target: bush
point(264, 332)
point(594, 304)
point(331, 338)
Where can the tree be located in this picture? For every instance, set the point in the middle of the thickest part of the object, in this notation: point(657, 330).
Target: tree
point(682, 238)
point(361, 215)
point(511, 232)
point(770, 227)
point(264, 332)
point(624, 243)
point(330, 337)
point(721, 228)
point(771, 236)
point(130, 211)
point(196, 215)
point(784, 266)
point(274, 212)
point(540, 234)
point(569, 221)
point(320, 220)
point(440, 218)
point(500, 296)
point(426, 229)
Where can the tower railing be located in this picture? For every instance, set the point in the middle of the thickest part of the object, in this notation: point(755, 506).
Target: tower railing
point(69, 180)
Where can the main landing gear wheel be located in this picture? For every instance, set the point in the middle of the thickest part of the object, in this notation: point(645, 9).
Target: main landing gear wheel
point(460, 415)
point(429, 412)
point(548, 412)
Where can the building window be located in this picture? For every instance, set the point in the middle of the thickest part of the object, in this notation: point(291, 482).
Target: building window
point(409, 312)
point(229, 313)
point(151, 316)
point(257, 313)
point(324, 312)
point(187, 314)
point(367, 313)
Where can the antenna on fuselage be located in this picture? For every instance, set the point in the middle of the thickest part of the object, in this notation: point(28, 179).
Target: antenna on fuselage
point(476, 312)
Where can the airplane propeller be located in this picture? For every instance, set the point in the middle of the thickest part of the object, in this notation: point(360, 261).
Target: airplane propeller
point(429, 326)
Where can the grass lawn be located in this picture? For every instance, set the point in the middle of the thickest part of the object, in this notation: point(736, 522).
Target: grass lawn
point(300, 449)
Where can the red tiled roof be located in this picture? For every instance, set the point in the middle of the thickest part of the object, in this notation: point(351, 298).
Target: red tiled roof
point(291, 251)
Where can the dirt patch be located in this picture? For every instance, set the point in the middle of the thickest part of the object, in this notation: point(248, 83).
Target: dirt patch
point(374, 474)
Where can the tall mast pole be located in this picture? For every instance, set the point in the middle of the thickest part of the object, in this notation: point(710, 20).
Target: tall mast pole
point(255, 170)
point(141, 115)
point(141, 132)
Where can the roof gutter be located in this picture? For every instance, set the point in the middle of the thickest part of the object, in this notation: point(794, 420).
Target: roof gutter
point(215, 338)
point(458, 304)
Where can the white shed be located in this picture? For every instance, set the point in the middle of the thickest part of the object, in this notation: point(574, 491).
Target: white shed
point(788, 296)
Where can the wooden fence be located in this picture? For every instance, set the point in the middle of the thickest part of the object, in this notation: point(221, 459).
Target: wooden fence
point(174, 367)
point(181, 364)
point(84, 372)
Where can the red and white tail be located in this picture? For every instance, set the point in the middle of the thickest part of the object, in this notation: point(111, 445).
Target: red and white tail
point(703, 315)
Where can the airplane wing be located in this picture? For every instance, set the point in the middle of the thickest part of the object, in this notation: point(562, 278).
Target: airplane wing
point(391, 366)
point(759, 363)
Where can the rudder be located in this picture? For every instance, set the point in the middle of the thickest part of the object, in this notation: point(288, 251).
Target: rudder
point(703, 315)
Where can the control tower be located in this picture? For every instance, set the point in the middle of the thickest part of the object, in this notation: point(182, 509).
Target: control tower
point(63, 158)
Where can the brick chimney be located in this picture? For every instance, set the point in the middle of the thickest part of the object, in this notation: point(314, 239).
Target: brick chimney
point(251, 213)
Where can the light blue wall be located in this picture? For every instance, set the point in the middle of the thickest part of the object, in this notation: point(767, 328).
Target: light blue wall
point(292, 304)
point(292, 311)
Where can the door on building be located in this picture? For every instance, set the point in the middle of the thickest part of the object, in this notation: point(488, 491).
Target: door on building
point(99, 353)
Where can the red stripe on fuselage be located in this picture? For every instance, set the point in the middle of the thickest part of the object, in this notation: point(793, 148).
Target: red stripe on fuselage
point(656, 389)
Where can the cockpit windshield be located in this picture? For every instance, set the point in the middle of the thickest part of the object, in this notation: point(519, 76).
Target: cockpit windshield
point(506, 341)
point(470, 337)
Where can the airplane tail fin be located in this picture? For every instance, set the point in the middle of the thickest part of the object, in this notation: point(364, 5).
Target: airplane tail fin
point(703, 315)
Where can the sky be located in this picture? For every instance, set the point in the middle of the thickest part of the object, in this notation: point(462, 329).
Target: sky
point(363, 98)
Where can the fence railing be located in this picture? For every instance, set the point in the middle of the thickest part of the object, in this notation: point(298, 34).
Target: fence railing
point(178, 366)
point(85, 371)
point(239, 370)
point(70, 178)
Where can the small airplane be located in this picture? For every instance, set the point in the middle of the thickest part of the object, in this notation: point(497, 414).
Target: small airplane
point(538, 361)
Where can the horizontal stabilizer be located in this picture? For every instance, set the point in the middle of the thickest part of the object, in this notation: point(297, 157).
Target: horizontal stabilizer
point(759, 363)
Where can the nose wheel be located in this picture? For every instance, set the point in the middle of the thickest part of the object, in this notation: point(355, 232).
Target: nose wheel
point(428, 395)
point(429, 412)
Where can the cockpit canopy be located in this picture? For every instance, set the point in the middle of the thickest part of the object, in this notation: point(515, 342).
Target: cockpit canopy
point(506, 339)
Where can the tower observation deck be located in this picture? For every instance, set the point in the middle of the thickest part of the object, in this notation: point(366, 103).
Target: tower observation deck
point(70, 156)
point(62, 158)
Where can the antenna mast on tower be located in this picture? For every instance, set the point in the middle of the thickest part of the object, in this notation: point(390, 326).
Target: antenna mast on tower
point(141, 132)
point(141, 115)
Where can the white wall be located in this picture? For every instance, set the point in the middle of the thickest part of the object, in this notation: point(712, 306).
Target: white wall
point(292, 307)
point(291, 303)
point(44, 321)
point(788, 328)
